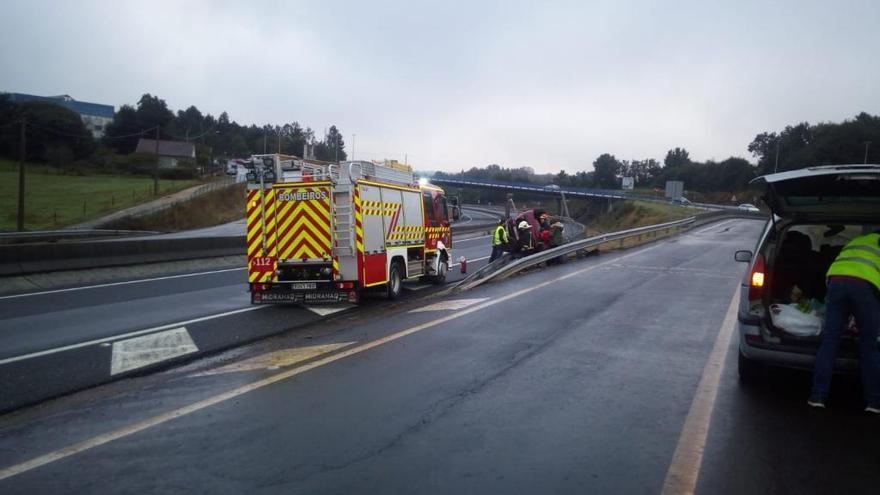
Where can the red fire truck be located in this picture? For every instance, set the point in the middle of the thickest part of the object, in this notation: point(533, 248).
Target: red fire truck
point(326, 232)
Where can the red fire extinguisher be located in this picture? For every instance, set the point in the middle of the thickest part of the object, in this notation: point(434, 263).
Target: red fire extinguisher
point(462, 262)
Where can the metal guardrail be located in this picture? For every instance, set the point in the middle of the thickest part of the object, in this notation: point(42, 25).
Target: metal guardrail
point(59, 235)
point(500, 269)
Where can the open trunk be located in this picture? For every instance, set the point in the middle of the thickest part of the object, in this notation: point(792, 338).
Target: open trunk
point(800, 258)
point(816, 211)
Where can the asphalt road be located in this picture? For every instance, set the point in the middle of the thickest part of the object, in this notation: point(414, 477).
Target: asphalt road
point(583, 377)
point(48, 320)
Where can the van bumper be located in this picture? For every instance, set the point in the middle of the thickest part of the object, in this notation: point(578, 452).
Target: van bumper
point(785, 356)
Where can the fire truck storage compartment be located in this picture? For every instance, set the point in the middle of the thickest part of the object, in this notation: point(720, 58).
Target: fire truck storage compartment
point(415, 260)
point(373, 214)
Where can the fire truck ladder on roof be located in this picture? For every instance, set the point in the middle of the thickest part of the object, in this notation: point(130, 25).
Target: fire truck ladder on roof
point(343, 224)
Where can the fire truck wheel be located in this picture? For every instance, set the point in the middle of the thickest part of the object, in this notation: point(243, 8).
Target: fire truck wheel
point(440, 278)
point(394, 282)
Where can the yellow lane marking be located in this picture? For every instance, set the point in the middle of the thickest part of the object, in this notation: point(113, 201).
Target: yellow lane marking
point(276, 359)
point(284, 375)
point(681, 478)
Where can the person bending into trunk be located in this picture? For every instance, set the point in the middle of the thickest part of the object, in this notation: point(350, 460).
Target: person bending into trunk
point(853, 289)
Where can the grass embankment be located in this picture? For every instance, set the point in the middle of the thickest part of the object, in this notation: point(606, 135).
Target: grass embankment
point(631, 214)
point(53, 199)
point(213, 208)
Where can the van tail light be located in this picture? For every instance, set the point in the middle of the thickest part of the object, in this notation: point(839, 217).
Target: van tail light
point(259, 287)
point(757, 279)
point(345, 285)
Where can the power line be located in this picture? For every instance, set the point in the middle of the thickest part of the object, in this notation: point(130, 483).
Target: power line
point(61, 133)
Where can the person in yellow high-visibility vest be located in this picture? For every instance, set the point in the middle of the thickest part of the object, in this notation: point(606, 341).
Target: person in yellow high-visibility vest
point(853, 289)
point(499, 241)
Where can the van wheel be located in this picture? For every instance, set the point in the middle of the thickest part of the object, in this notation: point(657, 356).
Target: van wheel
point(442, 270)
point(392, 288)
point(749, 371)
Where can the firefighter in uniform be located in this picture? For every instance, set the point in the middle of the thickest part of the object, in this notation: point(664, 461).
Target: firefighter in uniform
point(853, 289)
point(499, 241)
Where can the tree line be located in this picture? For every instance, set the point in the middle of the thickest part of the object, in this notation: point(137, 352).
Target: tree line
point(57, 135)
point(799, 146)
point(607, 171)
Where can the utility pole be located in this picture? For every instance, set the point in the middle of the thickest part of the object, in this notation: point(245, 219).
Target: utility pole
point(867, 143)
point(352, 145)
point(21, 153)
point(776, 165)
point(156, 168)
point(264, 141)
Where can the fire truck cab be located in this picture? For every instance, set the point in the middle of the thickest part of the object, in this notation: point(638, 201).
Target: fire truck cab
point(326, 232)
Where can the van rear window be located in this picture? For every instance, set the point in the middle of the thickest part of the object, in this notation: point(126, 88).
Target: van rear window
point(859, 193)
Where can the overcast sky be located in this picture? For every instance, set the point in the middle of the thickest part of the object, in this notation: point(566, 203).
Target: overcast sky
point(458, 84)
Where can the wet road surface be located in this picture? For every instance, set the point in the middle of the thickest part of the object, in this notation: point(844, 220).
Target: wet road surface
point(576, 378)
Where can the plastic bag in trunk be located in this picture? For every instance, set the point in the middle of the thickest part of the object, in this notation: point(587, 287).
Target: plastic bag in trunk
point(789, 318)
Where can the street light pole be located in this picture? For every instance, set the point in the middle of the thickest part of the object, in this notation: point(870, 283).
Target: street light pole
point(352, 145)
point(867, 143)
point(776, 165)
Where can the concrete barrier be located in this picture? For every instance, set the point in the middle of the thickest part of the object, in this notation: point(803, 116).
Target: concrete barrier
point(23, 259)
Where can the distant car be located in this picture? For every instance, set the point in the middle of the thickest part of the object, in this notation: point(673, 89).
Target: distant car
point(681, 201)
point(814, 212)
point(552, 187)
point(748, 207)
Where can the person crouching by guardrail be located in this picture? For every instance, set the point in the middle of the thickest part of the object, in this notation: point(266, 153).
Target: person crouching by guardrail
point(555, 238)
point(525, 243)
point(500, 240)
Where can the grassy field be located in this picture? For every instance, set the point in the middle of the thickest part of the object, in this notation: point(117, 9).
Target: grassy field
point(213, 208)
point(630, 214)
point(53, 200)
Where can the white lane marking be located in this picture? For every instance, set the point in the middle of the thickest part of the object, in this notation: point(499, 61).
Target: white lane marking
point(137, 352)
point(451, 304)
point(471, 260)
point(113, 284)
point(471, 239)
point(684, 470)
point(328, 310)
point(113, 338)
point(142, 425)
point(276, 359)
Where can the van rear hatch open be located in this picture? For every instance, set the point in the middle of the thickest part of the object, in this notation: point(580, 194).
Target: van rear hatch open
point(825, 193)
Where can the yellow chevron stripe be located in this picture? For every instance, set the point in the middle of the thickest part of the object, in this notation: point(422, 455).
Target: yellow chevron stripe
point(316, 234)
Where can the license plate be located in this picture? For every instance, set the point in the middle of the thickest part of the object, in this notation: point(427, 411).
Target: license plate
point(304, 286)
